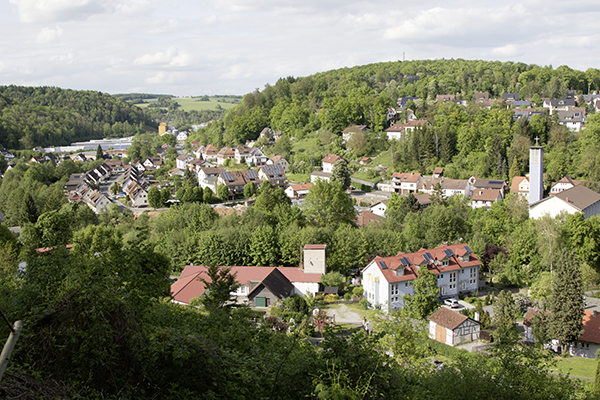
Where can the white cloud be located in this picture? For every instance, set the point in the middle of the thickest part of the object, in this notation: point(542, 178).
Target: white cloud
point(172, 57)
point(505, 51)
point(31, 11)
point(63, 58)
point(48, 35)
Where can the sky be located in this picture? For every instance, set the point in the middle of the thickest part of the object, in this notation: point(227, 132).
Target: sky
point(197, 47)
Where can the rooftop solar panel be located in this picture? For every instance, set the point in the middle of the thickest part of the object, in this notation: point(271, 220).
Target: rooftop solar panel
point(428, 257)
point(382, 264)
point(404, 261)
point(468, 249)
point(252, 174)
point(449, 252)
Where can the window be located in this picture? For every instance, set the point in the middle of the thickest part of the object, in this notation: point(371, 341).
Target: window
point(452, 276)
point(444, 263)
point(453, 286)
point(462, 271)
point(473, 272)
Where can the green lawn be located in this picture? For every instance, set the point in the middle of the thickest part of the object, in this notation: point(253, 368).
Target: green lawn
point(363, 176)
point(577, 366)
point(383, 159)
point(308, 145)
point(298, 177)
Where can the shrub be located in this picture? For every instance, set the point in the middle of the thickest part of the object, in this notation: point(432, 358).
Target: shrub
point(348, 296)
point(364, 304)
point(358, 291)
point(331, 298)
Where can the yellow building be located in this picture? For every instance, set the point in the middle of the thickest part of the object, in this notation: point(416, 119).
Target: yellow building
point(162, 128)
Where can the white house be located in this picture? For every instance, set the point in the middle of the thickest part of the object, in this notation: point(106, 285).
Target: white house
point(183, 160)
point(452, 328)
point(406, 182)
point(379, 208)
point(520, 185)
point(399, 131)
point(207, 177)
point(565, 183)
point(298, 191)
point(329, 161)
point(485, 198)
point(576, 199)
point(387, 279)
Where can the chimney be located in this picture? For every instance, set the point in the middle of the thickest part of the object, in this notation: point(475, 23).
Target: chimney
point(595, 313)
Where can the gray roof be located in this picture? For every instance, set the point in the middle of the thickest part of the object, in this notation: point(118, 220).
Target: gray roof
point(579, 196)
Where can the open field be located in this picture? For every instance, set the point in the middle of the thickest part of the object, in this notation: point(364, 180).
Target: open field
point(194, 103)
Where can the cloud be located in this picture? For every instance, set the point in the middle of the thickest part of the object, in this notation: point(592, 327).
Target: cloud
point(48, 35)
point(63, 58)
point(505, 51)
point(32, 11)
point(172, 57)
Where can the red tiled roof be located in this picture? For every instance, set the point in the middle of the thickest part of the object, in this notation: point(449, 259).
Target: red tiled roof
point(516, 181)
point(412, 261)
point(591, 327)
point(189, 286)
point(406, 176)
point(314, 246)
point(331, 159)
point(486, 195)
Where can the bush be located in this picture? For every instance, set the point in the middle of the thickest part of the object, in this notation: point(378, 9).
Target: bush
point(364, 304)
point(348, 296)
point(358, 291)
point(331, 298)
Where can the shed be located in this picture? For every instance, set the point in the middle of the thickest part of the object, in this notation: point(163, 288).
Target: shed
point(452, 328)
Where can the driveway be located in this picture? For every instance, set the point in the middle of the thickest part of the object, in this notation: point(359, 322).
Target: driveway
point(341, 314)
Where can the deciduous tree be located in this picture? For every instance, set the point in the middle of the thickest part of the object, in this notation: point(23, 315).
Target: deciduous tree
point(423, 302)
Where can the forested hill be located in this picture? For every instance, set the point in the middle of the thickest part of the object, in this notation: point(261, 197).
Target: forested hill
point(44, 116)
point(361, 95)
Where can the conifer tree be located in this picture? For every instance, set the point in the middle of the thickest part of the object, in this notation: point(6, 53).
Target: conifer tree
point(566, 303)
point(340, 173)
point(515, 169)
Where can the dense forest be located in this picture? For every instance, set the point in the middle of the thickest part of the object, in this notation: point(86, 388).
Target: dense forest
point(45, 116)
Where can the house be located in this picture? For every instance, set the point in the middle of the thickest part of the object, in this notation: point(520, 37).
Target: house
point(520, 185)
point(182, 136)
point(510, 96)
point(576, 199)
point(182, 161)
point(260, 286)
point(406, 182)
point(241, 153)
point(115, 166)
point(450, 187)
point(365, 160)
point(443, 98)
point(329, 161)
point(438, 172)
point(207, 177)
point(298, 191)
point(177, 171)
point(198, 152)
point(277, 135)
point(565, 183)
point(587, 344)
point(210, 153)
point(558, 104)
point(320, 175)
point(279, 160)
point(423, 199)
point(236, 180)
point(485, 198)
point(452, 328)
point(97, 202)
point(480, 97)
point(490, 184)
point(273, 174)
point(364, 218)
point(256, 157)
point(387, 279)
point(351, 130)
point(379, 208)
point(525, 113)
point(74, 181)
point(138, 197)
point(399, 131)
point(573, 118)
point(267, 133)
point(152, 163)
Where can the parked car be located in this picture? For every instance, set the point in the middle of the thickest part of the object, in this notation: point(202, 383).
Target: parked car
point(453, 303)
